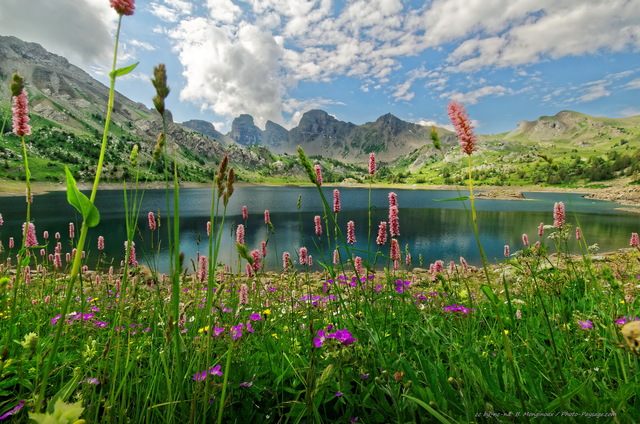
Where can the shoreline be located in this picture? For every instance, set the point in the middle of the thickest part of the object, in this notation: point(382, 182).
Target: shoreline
point(625, 195)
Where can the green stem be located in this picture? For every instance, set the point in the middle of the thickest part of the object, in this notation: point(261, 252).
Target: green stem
point(225, 380)
point(77, 261)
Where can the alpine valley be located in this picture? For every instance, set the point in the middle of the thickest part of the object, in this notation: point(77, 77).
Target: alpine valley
point(67, 110)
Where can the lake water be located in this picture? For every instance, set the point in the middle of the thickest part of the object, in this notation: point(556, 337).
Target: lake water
point(436, 230)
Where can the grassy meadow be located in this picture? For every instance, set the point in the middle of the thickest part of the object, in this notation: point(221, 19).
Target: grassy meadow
point(543, 336)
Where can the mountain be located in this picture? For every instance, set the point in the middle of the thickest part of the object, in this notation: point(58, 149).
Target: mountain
point(67, 110)
point(321, 134)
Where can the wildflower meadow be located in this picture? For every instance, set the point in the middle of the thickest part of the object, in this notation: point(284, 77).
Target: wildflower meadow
point(545, 335)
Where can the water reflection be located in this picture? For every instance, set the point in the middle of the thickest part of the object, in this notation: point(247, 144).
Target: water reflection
point(431, 228)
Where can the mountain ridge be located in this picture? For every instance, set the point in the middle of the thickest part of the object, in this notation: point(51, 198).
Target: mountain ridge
point(67, 100)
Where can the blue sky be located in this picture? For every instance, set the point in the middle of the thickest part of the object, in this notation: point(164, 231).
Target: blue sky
point(505, 60)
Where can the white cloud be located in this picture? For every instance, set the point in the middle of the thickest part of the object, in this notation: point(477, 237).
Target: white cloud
point(546, 29)
point(79, 32)
point(233, 73)
point(633, 84)
point(630, 111)
point(320, 40)
point(593, 92)
point(171, 10)
point(472, 97)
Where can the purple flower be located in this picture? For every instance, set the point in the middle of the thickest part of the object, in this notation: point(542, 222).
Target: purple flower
point(217, 331)
point(12, 411)
point(344, 336)
point(338, 394)
point(215, 370)
point(585, 324)
point(322, 336)
point(255, 317)
point(199, 376)
point(236, 331)
point(55, 319)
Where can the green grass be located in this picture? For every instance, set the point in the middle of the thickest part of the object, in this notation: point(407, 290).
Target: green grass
point(428, 347)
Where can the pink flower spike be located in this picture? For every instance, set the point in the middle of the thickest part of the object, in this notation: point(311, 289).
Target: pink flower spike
point(245, 212)
point(240, 234)
point(286, 260)
point(382, 234)
point(351, 232)
point(558, 215)
point(395, 250)
point(303, 256)
point(336, 200)
point(152, 221)
point(318, 174)
point(318, 223)
point(372, 163)
point(100, 243)
point(578, 234)
point(525, 240)
point(20, 118)
point(462, 125)
point(29, 230)
point(394, 221)
point(506, 250)
point(267, 217)
point(123, 7)
point(635, 240)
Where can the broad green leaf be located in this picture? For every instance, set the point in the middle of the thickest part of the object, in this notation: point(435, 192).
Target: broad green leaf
point(81, 202)
point(429, 409)
point(490, 295)
point(123, 71)
point(452, 200)
point(64, 393)
point(244, 252)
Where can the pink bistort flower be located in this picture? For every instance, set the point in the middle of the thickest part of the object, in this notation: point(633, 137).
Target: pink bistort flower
point(382, 234)
point(336, 200)
point(394, 222)
point(635, 241)
point(286, 260)
point(318, 174)
point(351, 232)
point(558, 215)
point(372, 163)
point(29, 230)
point(462, 125)
point(152, 221)
point(123, 7)
point(20, 118)
point(240, 234)
point(318, 223)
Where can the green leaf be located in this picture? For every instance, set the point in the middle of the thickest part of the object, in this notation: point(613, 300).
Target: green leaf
point(490, 295)
point(429, 409)
point(123, 71)
point(81, 202)
point(244, 252)
point(452, 200)
point(64, 393)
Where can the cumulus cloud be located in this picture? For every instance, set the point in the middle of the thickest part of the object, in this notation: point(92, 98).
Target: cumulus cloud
point(532, 31)
point(247, 56)
point(231, 72)
point(472, 97)
point(79, 32)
